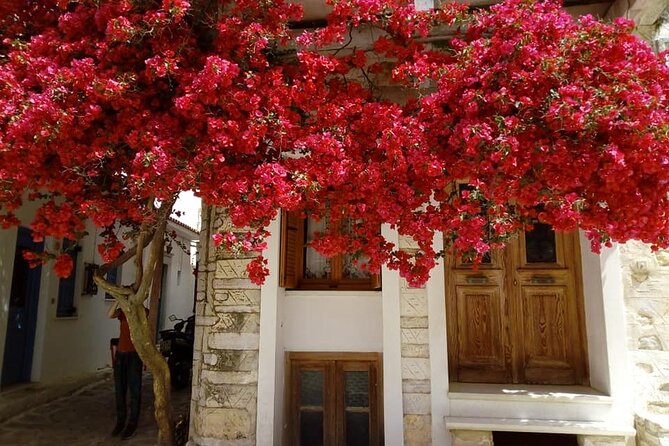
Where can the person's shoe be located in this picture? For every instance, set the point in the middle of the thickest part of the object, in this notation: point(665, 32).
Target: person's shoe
point(129, 431)
point(117, 429)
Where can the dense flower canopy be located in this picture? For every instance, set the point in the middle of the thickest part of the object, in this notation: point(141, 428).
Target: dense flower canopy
point(109, 106)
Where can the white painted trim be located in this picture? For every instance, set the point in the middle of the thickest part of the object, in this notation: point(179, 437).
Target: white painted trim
point(267, 351)
point(524, 392)
point(616, 339)
point(436, 311)
point(605, 318)
point(393, 412)
point(543, 426)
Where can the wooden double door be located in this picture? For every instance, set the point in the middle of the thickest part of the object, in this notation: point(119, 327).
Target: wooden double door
point(518, 318)
point(334, 399)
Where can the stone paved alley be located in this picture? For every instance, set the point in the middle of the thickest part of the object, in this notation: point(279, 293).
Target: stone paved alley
point(85, 418)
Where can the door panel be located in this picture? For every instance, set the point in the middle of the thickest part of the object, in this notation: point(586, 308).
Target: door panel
point(481, 338)
point(547, 359)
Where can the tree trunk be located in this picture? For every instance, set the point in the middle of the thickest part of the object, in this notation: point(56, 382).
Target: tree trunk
point(131, 301)
point(155, 296)
point(140, 334)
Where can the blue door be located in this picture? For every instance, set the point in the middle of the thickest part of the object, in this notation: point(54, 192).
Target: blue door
point(23, 300)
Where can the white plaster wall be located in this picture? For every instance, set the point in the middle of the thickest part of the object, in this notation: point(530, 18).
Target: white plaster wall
point(79, 345)
point(178, 293)
point(336, 321)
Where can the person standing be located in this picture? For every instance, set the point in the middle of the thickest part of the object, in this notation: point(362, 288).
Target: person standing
point(127, 376)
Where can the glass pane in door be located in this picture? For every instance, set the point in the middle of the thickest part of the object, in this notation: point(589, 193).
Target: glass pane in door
point(311, 388)
point(540, 244)
point(311, 428)
point(357, 428)
point(357, 389)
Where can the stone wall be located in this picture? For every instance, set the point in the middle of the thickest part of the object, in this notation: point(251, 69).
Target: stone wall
point(646, 280)
point(415, 345)
point(225, 363)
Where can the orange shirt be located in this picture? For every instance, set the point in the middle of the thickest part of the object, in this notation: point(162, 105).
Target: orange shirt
point(124, 341)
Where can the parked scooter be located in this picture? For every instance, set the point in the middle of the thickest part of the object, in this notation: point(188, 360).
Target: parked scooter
point(177, 346)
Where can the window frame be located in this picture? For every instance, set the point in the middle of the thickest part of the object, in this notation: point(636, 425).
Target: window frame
point(292, 262)
point(333, 365)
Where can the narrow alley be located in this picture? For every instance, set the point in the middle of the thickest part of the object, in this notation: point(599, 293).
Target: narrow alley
point(86, 418)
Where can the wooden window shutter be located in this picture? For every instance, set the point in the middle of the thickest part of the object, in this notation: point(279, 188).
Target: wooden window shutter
point(292, 240)
point(376, 281)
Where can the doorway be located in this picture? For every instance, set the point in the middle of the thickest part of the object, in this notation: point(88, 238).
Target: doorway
point(22, 314)
point(334, 399)
point(533, 439)
point(519, 318)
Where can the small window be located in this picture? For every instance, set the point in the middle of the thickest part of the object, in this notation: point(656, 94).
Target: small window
point(65, 307)
point(302, 267)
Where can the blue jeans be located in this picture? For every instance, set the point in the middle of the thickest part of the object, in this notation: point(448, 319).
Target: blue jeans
point(128, 376)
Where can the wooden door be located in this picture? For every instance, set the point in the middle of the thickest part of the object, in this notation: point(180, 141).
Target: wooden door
point(550, 327)
point(22, 313)
point(478, 323)
point(334, 399)
point(518, 319)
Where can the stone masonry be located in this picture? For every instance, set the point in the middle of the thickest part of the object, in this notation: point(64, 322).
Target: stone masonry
point(225, 363)
point(646, 280)
point(415, 345)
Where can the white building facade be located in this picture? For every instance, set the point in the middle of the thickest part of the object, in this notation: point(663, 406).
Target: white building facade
point(534, 348)
point(55, 329)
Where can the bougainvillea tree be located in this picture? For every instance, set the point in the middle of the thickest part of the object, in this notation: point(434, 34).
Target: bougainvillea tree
point(110, 108)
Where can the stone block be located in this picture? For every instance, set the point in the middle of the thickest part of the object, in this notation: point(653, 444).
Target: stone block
point(238, 322)
point(233, 341)
point(471, 438)
point(415, 336)
point(408, 242)
point(238, 298)
point(237, 360)
point(417, 403)
point(231, 396)
point(232, 268)
point(414, 322)
point(206, 321)
point(415, 368)
point(417, 430)
point(216, 377)
point(224, 424)
point(413, 304)
point(601, 440)
point(415, 351)
point(650, 342)
point(210, 359)
point(416, 386)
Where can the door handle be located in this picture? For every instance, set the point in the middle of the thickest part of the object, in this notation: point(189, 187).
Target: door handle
point(542, 279)
point(477, 279)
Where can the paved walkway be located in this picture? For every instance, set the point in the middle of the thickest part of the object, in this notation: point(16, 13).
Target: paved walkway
point(85, 418)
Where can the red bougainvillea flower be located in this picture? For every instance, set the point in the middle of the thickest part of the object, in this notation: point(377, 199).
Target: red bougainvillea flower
point(107, 108)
